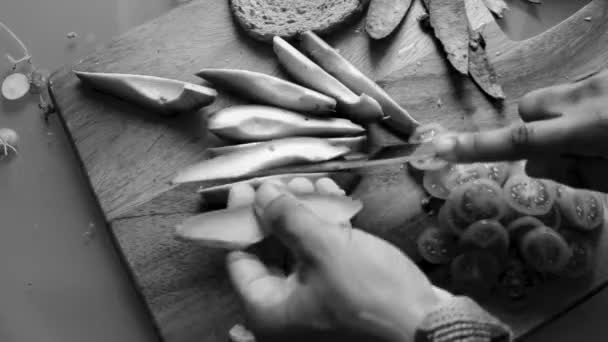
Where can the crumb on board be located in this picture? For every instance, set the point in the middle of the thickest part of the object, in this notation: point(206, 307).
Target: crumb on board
point(239, 333)
point(72, 35)
point(588, 18)
point(439, 103)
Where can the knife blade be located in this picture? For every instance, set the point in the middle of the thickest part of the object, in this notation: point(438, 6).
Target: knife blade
point(386, 155)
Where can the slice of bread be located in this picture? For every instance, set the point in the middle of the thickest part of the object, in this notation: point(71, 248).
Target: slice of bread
point(264, 19)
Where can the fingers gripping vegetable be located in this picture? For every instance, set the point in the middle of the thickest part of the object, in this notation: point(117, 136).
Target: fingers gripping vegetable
point(219, 194)
point(355, 144)
point(359, 108)
point(529, 196)
point(9, 139)
point(270, 90)
point(330, 60)
point(259, 123)
point(545, 250)
point(238, 228)
point(265, 156)
point(165, 95)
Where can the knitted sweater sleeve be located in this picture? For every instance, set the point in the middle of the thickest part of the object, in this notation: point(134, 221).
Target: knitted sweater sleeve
point(462, 320)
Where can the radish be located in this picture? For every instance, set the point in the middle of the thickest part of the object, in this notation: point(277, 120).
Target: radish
point(15, 86)
point(8, 141)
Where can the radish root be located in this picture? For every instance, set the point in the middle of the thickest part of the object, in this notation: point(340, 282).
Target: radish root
point(26, 54)
point(6, 148)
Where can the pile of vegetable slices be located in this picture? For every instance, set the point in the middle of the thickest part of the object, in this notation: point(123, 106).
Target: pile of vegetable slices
point(496, 227)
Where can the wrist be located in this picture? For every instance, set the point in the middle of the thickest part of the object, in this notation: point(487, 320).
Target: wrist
point(400, 323)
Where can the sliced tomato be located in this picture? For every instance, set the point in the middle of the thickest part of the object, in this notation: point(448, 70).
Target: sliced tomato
point(437, 246)
point(480, 199)
point(433, 183)
point(545, 250)
point(582, 259)
point(440, 183)
point(518, 228)
point(516, 280)
point(448, 220)
point(529, 196)
point(552, 219)
point(428, 164)
point(426, 133)
point(581, 208)
point(486, 235)
point(474, 272)
point(497, 172)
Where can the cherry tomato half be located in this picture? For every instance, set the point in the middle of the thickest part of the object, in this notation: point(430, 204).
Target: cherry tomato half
point(480, 199)
point(437, 246)
point(529, 196)
point(474, 272)
point(486, 235)
point(545, 250)
point(581, 208)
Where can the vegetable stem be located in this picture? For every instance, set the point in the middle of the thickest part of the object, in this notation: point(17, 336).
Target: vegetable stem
point(26, 54)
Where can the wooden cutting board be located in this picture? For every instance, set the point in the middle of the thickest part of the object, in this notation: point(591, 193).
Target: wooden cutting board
point(129, 154)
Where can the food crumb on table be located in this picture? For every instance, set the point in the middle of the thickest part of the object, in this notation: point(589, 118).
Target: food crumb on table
point(239, 333)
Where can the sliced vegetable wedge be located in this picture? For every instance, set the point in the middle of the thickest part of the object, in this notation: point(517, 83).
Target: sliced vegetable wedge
point(238, 228)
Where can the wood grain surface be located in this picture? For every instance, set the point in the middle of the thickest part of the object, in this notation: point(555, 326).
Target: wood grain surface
point(129, 154)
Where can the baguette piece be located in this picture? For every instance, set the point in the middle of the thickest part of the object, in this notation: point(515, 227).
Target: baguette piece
point(383, 16)
point(264, 19)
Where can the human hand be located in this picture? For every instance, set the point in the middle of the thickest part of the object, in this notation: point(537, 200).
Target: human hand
point(564, 135)
point(345, 279)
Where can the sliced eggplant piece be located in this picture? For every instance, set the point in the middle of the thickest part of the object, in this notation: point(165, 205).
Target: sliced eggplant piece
point(331, 61)
point(358, 108)
point(251, 123)
point(270, 90)
point(164, 95)
point(356, 144)
point(265, 156)
point(238, 228)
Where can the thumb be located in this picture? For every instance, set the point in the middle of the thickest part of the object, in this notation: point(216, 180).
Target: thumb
point(300, 229)
point(518, 141)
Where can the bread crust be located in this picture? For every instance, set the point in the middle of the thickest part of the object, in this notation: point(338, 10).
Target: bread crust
point(264, 19)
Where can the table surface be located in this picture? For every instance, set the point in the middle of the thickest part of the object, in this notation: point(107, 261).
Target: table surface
point(63, 280)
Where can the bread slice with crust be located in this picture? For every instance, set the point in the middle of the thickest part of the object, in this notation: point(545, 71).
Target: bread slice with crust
point(264, 19)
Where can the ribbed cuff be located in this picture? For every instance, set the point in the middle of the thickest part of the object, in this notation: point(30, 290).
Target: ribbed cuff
point(462, 320)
